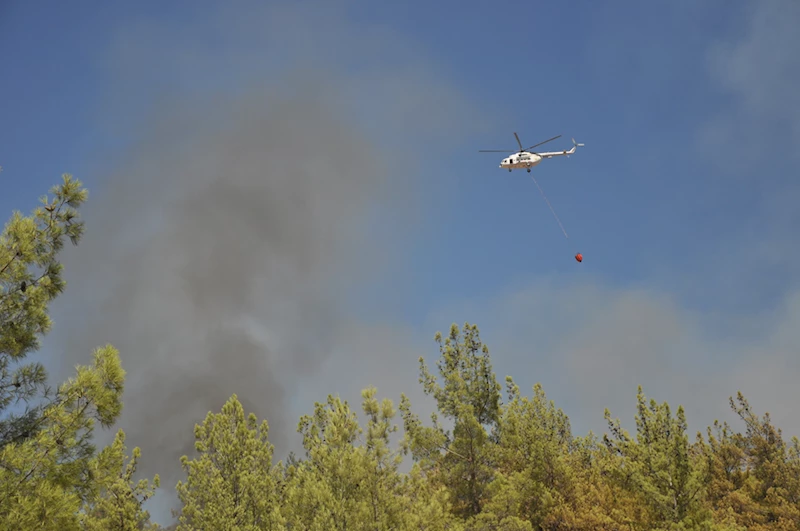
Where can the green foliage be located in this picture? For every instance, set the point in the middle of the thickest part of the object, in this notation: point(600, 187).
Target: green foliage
point(116, 503)
point(753, 477)
point(50, 475)
point(534, 480)
point(487, 466)
point(469, 397)
point(45, 478)
point(350, 479)
point(30, 278)
point(232, 483)
point(659, 466)
point(468, 381)
point(340, 485)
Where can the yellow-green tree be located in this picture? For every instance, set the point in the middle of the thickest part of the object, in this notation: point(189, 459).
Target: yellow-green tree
point(333, 488)
point(598, 502)
point(659, 467)
point(534, 479)
point(30, 279)
point(753, 477)
point(45, 477)
point(350, 480)
point(468, 396)
point(116, 503)
point(232, 484)
point(47, 466)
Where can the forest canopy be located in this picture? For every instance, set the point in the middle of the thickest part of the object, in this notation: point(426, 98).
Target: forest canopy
point(490, 458)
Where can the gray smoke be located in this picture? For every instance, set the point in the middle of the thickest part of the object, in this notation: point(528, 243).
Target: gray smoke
point(239, 276)
point(225, 248)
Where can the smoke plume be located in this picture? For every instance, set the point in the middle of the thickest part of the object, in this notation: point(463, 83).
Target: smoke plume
point(228, 240)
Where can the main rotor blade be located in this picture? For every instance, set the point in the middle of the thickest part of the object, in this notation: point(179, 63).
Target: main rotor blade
point(518, 142)
point(540, 143)
point(496, 151)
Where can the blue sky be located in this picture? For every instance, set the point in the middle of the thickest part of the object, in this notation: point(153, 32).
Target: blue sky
point(682, 202)
point(632, 82)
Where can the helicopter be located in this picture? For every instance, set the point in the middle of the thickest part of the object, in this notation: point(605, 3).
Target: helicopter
point(527, 159)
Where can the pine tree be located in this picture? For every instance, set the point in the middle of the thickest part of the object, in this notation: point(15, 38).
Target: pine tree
point(330, 489)
point(754, 477)
point(659, 466)
point(350, 478)
point(46, 453)
point(232, 484)
point(534, 480)
point(116, 504)
point(45, 477)
point(469, 396)
point(30, 278)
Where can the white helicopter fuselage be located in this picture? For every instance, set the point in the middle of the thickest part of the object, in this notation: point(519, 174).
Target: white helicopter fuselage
point(519, 161)
point(525, 160)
